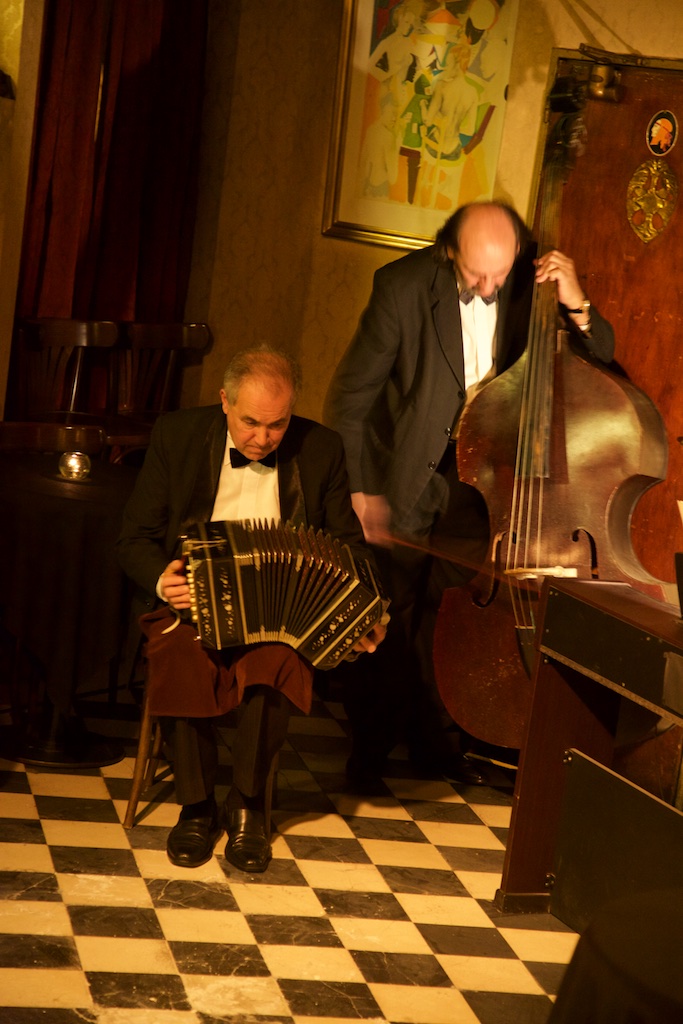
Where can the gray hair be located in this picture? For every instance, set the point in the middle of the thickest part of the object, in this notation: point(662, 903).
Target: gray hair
point(262, 362)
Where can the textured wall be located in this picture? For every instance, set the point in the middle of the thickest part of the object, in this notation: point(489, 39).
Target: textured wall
point(263, 270)
point(273, 276)
point(20, 30)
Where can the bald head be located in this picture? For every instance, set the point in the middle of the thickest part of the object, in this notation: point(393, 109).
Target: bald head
point(483, 247)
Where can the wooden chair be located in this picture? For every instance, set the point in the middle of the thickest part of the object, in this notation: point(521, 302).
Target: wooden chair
point(149, 363)
point(60, 377)
point(32, 436)
point(147, 763)
point(149, 360)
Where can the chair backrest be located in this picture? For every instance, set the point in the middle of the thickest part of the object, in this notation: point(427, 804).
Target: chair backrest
point(54, 377)
point(50, 437)
point(150, 360)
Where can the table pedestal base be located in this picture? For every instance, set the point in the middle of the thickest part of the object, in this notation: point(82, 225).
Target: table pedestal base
point(61, 741)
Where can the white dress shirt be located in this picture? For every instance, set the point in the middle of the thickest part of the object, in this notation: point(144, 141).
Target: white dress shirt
point(250, 492)
point(247, 492)
point(478, 339)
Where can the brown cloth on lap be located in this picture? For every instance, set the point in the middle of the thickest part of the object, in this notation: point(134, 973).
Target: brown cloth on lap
point(186, 680)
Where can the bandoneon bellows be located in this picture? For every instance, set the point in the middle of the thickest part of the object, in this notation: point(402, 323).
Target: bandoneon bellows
point(252, 582)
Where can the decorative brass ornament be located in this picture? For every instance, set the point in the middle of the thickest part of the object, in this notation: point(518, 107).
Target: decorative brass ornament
point(651, 199)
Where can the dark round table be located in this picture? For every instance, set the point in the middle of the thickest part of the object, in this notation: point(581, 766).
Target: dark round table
point(63, 596)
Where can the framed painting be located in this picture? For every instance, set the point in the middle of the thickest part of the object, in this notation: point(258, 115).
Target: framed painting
point(419, 111)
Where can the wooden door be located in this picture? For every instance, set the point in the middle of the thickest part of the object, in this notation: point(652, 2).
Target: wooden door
point(627, 178)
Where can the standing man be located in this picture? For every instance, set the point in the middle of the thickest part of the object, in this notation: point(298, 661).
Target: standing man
point(249, 458)
point(440, 322)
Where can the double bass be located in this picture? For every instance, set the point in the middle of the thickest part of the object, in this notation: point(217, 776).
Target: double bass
point(561, 449)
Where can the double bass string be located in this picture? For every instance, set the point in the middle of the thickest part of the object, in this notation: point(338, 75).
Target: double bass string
point(532, 466)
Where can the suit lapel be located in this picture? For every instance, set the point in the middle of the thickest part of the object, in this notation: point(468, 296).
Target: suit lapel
point(448, 327)
point(292, 504)
point(210, 461)
point(446, 312)
point(502, 333)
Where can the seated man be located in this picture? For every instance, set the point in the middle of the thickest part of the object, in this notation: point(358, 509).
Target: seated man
point(250, 458)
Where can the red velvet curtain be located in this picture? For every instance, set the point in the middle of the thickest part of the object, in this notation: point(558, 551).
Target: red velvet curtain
point(112, 194)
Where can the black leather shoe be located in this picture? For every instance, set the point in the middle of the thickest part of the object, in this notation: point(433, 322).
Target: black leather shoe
point(248, 847)
point(457, 767)
point(191, 842)
point(363, 779)
point(460, 769)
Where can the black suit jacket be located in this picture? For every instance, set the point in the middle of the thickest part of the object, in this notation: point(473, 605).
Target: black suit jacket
point(178, 482)
point(400, 386)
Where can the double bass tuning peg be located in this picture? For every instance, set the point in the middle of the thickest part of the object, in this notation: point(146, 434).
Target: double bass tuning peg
point(567, 96)
point(604, 83)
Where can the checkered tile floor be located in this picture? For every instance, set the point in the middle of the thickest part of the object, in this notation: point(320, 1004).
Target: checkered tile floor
point(375, 908)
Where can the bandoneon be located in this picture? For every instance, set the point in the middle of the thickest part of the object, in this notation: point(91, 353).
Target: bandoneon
point(257, 583)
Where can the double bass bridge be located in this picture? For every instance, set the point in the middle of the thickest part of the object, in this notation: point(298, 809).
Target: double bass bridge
point(533, 572)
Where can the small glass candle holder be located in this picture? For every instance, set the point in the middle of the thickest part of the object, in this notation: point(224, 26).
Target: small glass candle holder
point(74, 465)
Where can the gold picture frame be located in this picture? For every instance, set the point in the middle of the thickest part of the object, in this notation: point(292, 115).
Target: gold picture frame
point(419, 108)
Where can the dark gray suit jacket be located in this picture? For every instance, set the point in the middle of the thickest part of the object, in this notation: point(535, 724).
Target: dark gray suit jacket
point(401, 384)
point(178, 481)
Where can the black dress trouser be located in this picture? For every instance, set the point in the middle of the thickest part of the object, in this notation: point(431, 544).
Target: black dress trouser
point(262, 721)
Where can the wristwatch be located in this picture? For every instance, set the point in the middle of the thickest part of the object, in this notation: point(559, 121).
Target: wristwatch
point(585, 307)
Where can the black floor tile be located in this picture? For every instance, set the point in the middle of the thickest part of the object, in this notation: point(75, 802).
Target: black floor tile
point(38, 951)
point(90, 861)
point(29, 885)
point(509, 1007)
point(190, 895)
point(432, 810)
point(280, 872)
point(379, 905)
point(292, 931)
point(215, 958)
point(548, 976)
point(21, 830)
point(46, 1015)
point(118, 922)
point(342, 851)
point(401, 969)
point(65, 808)
point(454, 940)
point(387, 829)
point(463, 859)
point(426, 881)
point(329, 999)
point(14, 782)
point(137, 991)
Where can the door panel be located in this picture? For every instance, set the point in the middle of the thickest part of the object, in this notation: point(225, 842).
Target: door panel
point(636, 284)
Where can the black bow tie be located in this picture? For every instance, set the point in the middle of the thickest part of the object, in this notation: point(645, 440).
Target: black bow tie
point(467, 296)
point(237, 459)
